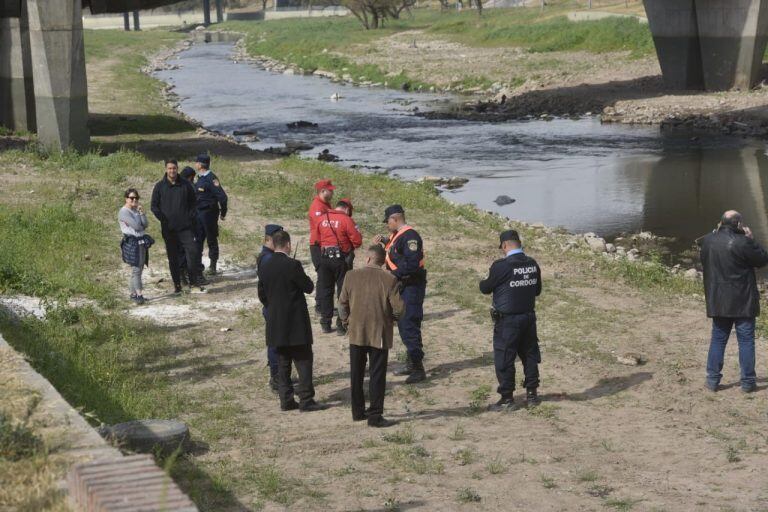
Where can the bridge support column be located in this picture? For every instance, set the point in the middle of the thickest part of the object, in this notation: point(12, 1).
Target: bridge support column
point(17, 97)
point(733, 39)
point(58, 63)
point(675, 33)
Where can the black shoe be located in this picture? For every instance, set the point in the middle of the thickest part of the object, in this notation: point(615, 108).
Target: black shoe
point(711, 388)
point(290, 406)
point(380, 422)
point(407, 370)
point(177, 289)
point(140, 300)
point(532, 398)
point(417, 375)
point(750, 389)
point(504, 404)
point(201, 281)
point(311, 406)
point(360, 418)
point(341, 330)
point(212, 268)
point(327, 329)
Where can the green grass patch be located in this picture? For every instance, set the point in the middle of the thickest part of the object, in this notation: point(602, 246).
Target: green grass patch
point(17, 440)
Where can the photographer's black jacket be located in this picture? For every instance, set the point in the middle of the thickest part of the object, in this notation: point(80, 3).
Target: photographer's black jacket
point(515, 282)
point(729, 259)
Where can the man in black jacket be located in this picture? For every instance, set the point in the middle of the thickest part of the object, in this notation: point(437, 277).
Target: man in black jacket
point(175, 206)
point(729, 257)
point(515, 282)
point(282, 285)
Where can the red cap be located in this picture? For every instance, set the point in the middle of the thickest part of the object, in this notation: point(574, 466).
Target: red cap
point(324, 184)
point(347, 201)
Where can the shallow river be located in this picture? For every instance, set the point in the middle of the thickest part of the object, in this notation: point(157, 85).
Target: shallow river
point(577, 174)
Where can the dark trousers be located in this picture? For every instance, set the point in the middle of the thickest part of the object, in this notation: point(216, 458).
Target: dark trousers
point(176, 243)
point(515, 336)
point(330, 279)
point(409, 324)
point(271, 352)
point(208, 229)
point(377, 383)
point(301, 357)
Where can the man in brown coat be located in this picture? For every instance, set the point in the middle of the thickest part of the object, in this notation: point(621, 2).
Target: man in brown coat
point(369, 305)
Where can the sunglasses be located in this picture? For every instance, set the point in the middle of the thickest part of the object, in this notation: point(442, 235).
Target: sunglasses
point(133, 198)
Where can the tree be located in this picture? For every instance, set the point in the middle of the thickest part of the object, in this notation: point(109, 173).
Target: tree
point(373, 13)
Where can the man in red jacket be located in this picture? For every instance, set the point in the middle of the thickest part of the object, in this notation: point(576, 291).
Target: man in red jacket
point(320, 204)
point(338, 237)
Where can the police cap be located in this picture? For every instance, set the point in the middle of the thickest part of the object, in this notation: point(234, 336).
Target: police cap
point(203, 159)
point(271, 229)
point(391, 210)
point(187, 172)
point(508, 236)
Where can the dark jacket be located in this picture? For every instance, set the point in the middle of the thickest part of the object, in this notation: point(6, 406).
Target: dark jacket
point(729, 259)
point(130, 247)
point(515, 282)
point(282, 285)
point(174, 204)
point(210, 194)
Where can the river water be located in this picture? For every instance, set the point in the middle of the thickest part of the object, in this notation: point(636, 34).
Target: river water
point(578, 174)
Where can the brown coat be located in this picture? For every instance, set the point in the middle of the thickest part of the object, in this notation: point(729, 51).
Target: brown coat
point(370, 302)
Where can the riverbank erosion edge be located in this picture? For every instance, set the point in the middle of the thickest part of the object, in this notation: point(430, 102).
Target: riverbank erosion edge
point(620, 82)
point(622, 344)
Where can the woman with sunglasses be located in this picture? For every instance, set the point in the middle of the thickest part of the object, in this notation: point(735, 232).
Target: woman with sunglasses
point(133, 222)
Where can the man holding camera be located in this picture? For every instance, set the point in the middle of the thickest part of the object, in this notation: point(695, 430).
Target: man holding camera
point(338, 237)
point(515, 282)
point(729, 257)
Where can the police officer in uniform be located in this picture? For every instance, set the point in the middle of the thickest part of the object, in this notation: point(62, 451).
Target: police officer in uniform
point(515, 282)
point(338, 237)
point(211, 206)
point(405, 259)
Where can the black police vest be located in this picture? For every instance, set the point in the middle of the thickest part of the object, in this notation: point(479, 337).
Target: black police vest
point(519, 285)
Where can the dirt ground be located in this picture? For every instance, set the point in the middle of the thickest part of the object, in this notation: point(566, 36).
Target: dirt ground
point(606, 435)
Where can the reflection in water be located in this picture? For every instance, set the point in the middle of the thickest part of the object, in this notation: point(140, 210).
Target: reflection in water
point(581, 175)
point(686, 193)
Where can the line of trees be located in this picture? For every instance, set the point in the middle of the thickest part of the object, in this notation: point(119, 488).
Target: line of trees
point(373, 13)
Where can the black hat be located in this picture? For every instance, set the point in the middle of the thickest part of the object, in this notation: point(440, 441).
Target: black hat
point(203, 159)
point(391, 210)
point(187, 172)
point(508, 236)
point(271, 229)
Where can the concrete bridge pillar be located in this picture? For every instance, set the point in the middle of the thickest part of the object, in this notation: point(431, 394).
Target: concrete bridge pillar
point(732, 34)
point(58, 63)
point(17, 97)
point(709, 44)
point(675, 32)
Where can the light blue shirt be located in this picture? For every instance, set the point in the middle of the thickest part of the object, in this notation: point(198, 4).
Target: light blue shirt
point(205, 173)
point(515, 251)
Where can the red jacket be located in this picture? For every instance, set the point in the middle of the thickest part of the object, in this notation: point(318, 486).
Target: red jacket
point(316, 210)
point(349, 236)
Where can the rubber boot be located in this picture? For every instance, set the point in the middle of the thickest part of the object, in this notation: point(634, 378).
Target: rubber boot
point(418, 374)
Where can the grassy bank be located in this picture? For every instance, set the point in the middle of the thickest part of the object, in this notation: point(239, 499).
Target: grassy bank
point(117, 367)
point(331, 44)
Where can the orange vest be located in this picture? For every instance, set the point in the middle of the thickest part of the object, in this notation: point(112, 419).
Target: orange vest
point(391, 264)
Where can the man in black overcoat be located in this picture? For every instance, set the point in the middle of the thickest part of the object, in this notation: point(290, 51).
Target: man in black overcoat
point(282, 285)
